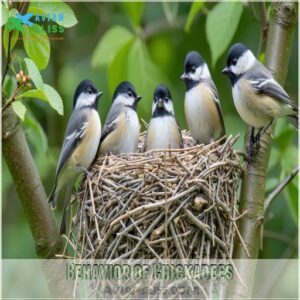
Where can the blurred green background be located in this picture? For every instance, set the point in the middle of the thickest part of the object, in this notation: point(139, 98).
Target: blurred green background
point(146, 43)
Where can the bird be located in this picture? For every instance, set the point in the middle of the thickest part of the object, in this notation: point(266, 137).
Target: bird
point(163, 131)
point(202, 106)
point(121, 128)
point(258, 97)
point(80, 144)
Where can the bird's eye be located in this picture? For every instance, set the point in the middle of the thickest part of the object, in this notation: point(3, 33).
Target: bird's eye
point(89, 90)
point(234, 61)
point(129, 94)
point(166, 99)
point(193, 70)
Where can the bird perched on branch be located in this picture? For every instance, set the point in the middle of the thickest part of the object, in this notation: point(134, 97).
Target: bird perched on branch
point(121, 129)
point(202, 106)
point(163, 131)
point(258, 98)
point(80, 143)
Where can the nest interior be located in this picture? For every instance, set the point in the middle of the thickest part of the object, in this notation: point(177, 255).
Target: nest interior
point(172, 204)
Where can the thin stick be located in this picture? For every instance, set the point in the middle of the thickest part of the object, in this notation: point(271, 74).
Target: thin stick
point(280, 187)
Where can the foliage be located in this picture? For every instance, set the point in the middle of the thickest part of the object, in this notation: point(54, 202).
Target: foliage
point(145, 43)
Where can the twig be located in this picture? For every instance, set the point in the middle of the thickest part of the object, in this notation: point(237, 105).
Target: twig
point(11, 99)
point(280, 187)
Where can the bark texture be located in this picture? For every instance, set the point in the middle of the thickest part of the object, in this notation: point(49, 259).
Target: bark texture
point(29, 186)
point(279, 41)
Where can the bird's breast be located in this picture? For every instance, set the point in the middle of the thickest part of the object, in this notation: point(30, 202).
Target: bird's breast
point(201, 113)
point(86, 150)
point(255, 109)
point(163, 133)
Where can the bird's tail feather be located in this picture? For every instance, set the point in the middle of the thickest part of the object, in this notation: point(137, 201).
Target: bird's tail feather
point(63, 224)
point(294, 120)
point(53, 196)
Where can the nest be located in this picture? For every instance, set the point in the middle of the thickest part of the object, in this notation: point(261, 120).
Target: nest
point(171, 204)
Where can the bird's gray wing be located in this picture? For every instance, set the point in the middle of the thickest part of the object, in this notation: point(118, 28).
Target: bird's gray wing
point(74, 133)
point(263, 83)
point(111, 121)
point(218, 105)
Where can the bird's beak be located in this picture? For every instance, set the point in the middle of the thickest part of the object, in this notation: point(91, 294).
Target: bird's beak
point(160, 103)
point(184, 76)
point(98, 95)
point(226, 71)
point(138, 98)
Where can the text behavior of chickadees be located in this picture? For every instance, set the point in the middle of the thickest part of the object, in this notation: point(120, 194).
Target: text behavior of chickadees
point(258, 98)
point(122, 128)
point(163, 131)
point(80, 143)
point(201, 105)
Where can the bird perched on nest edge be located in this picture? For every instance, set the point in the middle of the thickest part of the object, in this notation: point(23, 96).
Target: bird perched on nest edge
point(80, 144)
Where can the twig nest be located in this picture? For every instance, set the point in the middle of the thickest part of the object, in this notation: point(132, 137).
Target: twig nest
point(160, 204)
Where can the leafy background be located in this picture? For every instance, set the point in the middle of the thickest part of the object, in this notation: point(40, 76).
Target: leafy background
point(145, 43)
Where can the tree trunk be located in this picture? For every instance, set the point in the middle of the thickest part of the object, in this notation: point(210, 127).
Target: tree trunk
point(29, 186)
point(282, 23)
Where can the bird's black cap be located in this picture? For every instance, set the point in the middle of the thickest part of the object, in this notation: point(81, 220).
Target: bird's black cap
point(124, 87)
point(161, 92)
point(236, 51)
point(85, 86)
point(193, 60)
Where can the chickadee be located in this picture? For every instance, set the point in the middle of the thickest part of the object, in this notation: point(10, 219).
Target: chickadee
point(163, 131)
point(121, 129)
point(202, 107)
point(80, 143)
point(258, 98)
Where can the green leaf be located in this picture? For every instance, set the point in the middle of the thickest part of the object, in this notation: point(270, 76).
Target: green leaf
point(19, 108)
point(14, 24)
point(13, 12)
point(194, 10)
point(55, 8)
point(5, 14)
point(54, 99)
point(34, 73)
point(14, 38)
point(143, 73)
point(39, 94)
point(221, 25)
point(9, 85)
point(170, 10)
point(117, 69)
point(37, 45)
point(35, 133)
point(49, 94)
point(134, 11)
point(113, 40)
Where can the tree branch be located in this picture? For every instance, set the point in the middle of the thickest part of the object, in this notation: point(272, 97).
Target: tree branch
point(264, 28)
point(29, 186)
point(279, 188)
point(279, 41)
point(11, 99)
